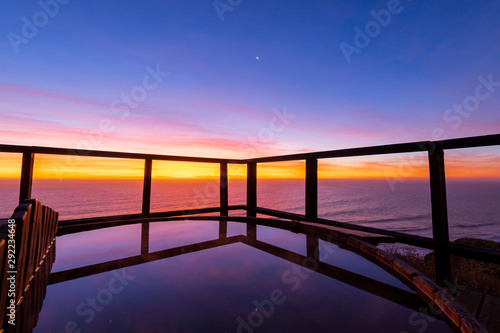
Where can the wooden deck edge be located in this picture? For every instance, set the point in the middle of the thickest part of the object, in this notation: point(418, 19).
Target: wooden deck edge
point(444, 302)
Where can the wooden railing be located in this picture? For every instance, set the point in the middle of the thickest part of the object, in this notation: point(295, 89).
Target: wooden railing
point(27, 252)
point(434, 149)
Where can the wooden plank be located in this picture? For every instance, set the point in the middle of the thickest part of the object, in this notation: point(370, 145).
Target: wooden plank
point(224, 190)
point(439, 214)
point(4, 286)
point(251, 189)
point(26, 176)
point(368, 237)
point(470, 142)
point(420, 241)
point(45, 232)
point(111, 154)
point(311, 188)
point(31, 278)
point(146, 192)
point(33, 237)
point(363, 151)
point(22, 221)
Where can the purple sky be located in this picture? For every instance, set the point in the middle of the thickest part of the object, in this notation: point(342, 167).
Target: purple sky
point(277, 76)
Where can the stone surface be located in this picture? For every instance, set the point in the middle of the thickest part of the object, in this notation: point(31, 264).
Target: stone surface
point(490, 313)
point(469, 324)
point(470, 300)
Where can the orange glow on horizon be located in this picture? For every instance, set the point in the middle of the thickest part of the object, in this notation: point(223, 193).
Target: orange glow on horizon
point(458, 165)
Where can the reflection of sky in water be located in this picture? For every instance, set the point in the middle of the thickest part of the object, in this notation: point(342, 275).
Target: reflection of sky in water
point(206, 291)
point(92, 247)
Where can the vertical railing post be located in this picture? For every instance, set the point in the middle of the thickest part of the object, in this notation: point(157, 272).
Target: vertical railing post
point(312, 188)
point(439, 214)
point(251, 189)
point(224, 192)
point(146, 193)
point(26, 176)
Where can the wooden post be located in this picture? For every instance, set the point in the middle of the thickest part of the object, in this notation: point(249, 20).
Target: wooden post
point(26, 176)
point(224, 194)
point(146, 193)
point(251, 189)
point(439, 214)
point(312, 188)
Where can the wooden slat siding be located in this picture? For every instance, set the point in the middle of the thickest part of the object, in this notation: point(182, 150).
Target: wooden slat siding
point(55, 225)
point(36, 239)
point(30, 240)
point(49, 223)
point(4, 285)
point(37, 231)
point(32, 234)
point(43, 231)
point(52, 235)
point(31, 302)
point(4, 232)
point(22, 220)
point(35, 253)
point(39, 242)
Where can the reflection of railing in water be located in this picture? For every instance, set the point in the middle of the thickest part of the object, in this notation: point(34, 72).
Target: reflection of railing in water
point(435, 150)
point(33, 236)
point(374, 287)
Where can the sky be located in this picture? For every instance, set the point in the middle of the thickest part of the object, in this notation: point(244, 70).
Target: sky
point(240, 79)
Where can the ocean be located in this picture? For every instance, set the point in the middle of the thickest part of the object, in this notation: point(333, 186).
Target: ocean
point(473, 205)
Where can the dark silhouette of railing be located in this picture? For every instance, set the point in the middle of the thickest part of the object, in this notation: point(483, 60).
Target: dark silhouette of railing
point(435, 149)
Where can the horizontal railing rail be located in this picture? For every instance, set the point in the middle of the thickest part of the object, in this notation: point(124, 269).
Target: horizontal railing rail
point(435, 151)
point(112, 154)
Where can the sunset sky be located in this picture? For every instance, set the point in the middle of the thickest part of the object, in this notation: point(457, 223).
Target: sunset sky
point(256, 78)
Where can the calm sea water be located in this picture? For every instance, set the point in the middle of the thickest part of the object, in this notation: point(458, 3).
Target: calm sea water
point(474, 209)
